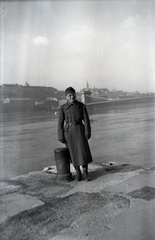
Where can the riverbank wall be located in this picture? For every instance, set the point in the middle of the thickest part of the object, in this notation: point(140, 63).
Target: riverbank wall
point(131, 103)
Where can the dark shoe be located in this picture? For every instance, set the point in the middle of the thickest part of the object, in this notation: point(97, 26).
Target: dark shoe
point(79, 175)
point(86, 175)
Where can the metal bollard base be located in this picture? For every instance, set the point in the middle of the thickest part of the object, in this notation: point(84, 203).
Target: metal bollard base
point(62, 159)
point(64, 177)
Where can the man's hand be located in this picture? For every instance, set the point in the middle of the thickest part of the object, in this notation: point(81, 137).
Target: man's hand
point(87, 137)
point(62, 140)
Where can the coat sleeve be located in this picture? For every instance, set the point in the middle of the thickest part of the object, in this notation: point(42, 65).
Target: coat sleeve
point(86, 122)
point(61, 124)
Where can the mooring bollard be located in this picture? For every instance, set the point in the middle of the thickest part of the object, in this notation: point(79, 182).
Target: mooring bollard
point(62, 159)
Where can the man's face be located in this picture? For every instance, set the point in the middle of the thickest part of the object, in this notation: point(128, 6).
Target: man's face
point(71, 97)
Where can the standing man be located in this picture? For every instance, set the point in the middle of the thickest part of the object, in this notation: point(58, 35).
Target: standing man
point(74, 130)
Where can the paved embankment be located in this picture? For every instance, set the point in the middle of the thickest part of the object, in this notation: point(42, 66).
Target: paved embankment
point(118, 203)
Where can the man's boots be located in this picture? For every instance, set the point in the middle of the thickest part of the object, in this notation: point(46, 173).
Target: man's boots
point(78, 172)
point(85, 173)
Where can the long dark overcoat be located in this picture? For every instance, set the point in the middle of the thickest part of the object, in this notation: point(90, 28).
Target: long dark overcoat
point(74, 126)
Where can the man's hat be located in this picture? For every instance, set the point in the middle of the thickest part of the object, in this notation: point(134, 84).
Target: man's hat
point(69, 90)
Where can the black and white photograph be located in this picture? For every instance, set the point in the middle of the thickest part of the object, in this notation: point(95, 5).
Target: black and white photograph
point(77, 119)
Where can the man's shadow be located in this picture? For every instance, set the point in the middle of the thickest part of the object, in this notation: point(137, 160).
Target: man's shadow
point(110, 169)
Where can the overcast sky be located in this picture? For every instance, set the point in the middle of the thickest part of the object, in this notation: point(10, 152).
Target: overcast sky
point(110, 44)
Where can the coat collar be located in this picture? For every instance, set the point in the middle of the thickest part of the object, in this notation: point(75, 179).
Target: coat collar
point(68, 105)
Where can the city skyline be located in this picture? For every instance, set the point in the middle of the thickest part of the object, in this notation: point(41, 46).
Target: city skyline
point(110, 44)
point(87, 87)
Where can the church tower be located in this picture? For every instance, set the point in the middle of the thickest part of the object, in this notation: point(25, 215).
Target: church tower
point(87, 85)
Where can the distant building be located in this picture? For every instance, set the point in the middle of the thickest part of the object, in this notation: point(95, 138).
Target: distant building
point(16, 97)
point(86, 97)
point(19, 91)
point(9, 90)
point(99, 94)
point(47, 105)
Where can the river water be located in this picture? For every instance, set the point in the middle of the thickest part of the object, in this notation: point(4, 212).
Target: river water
point(126, 136)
